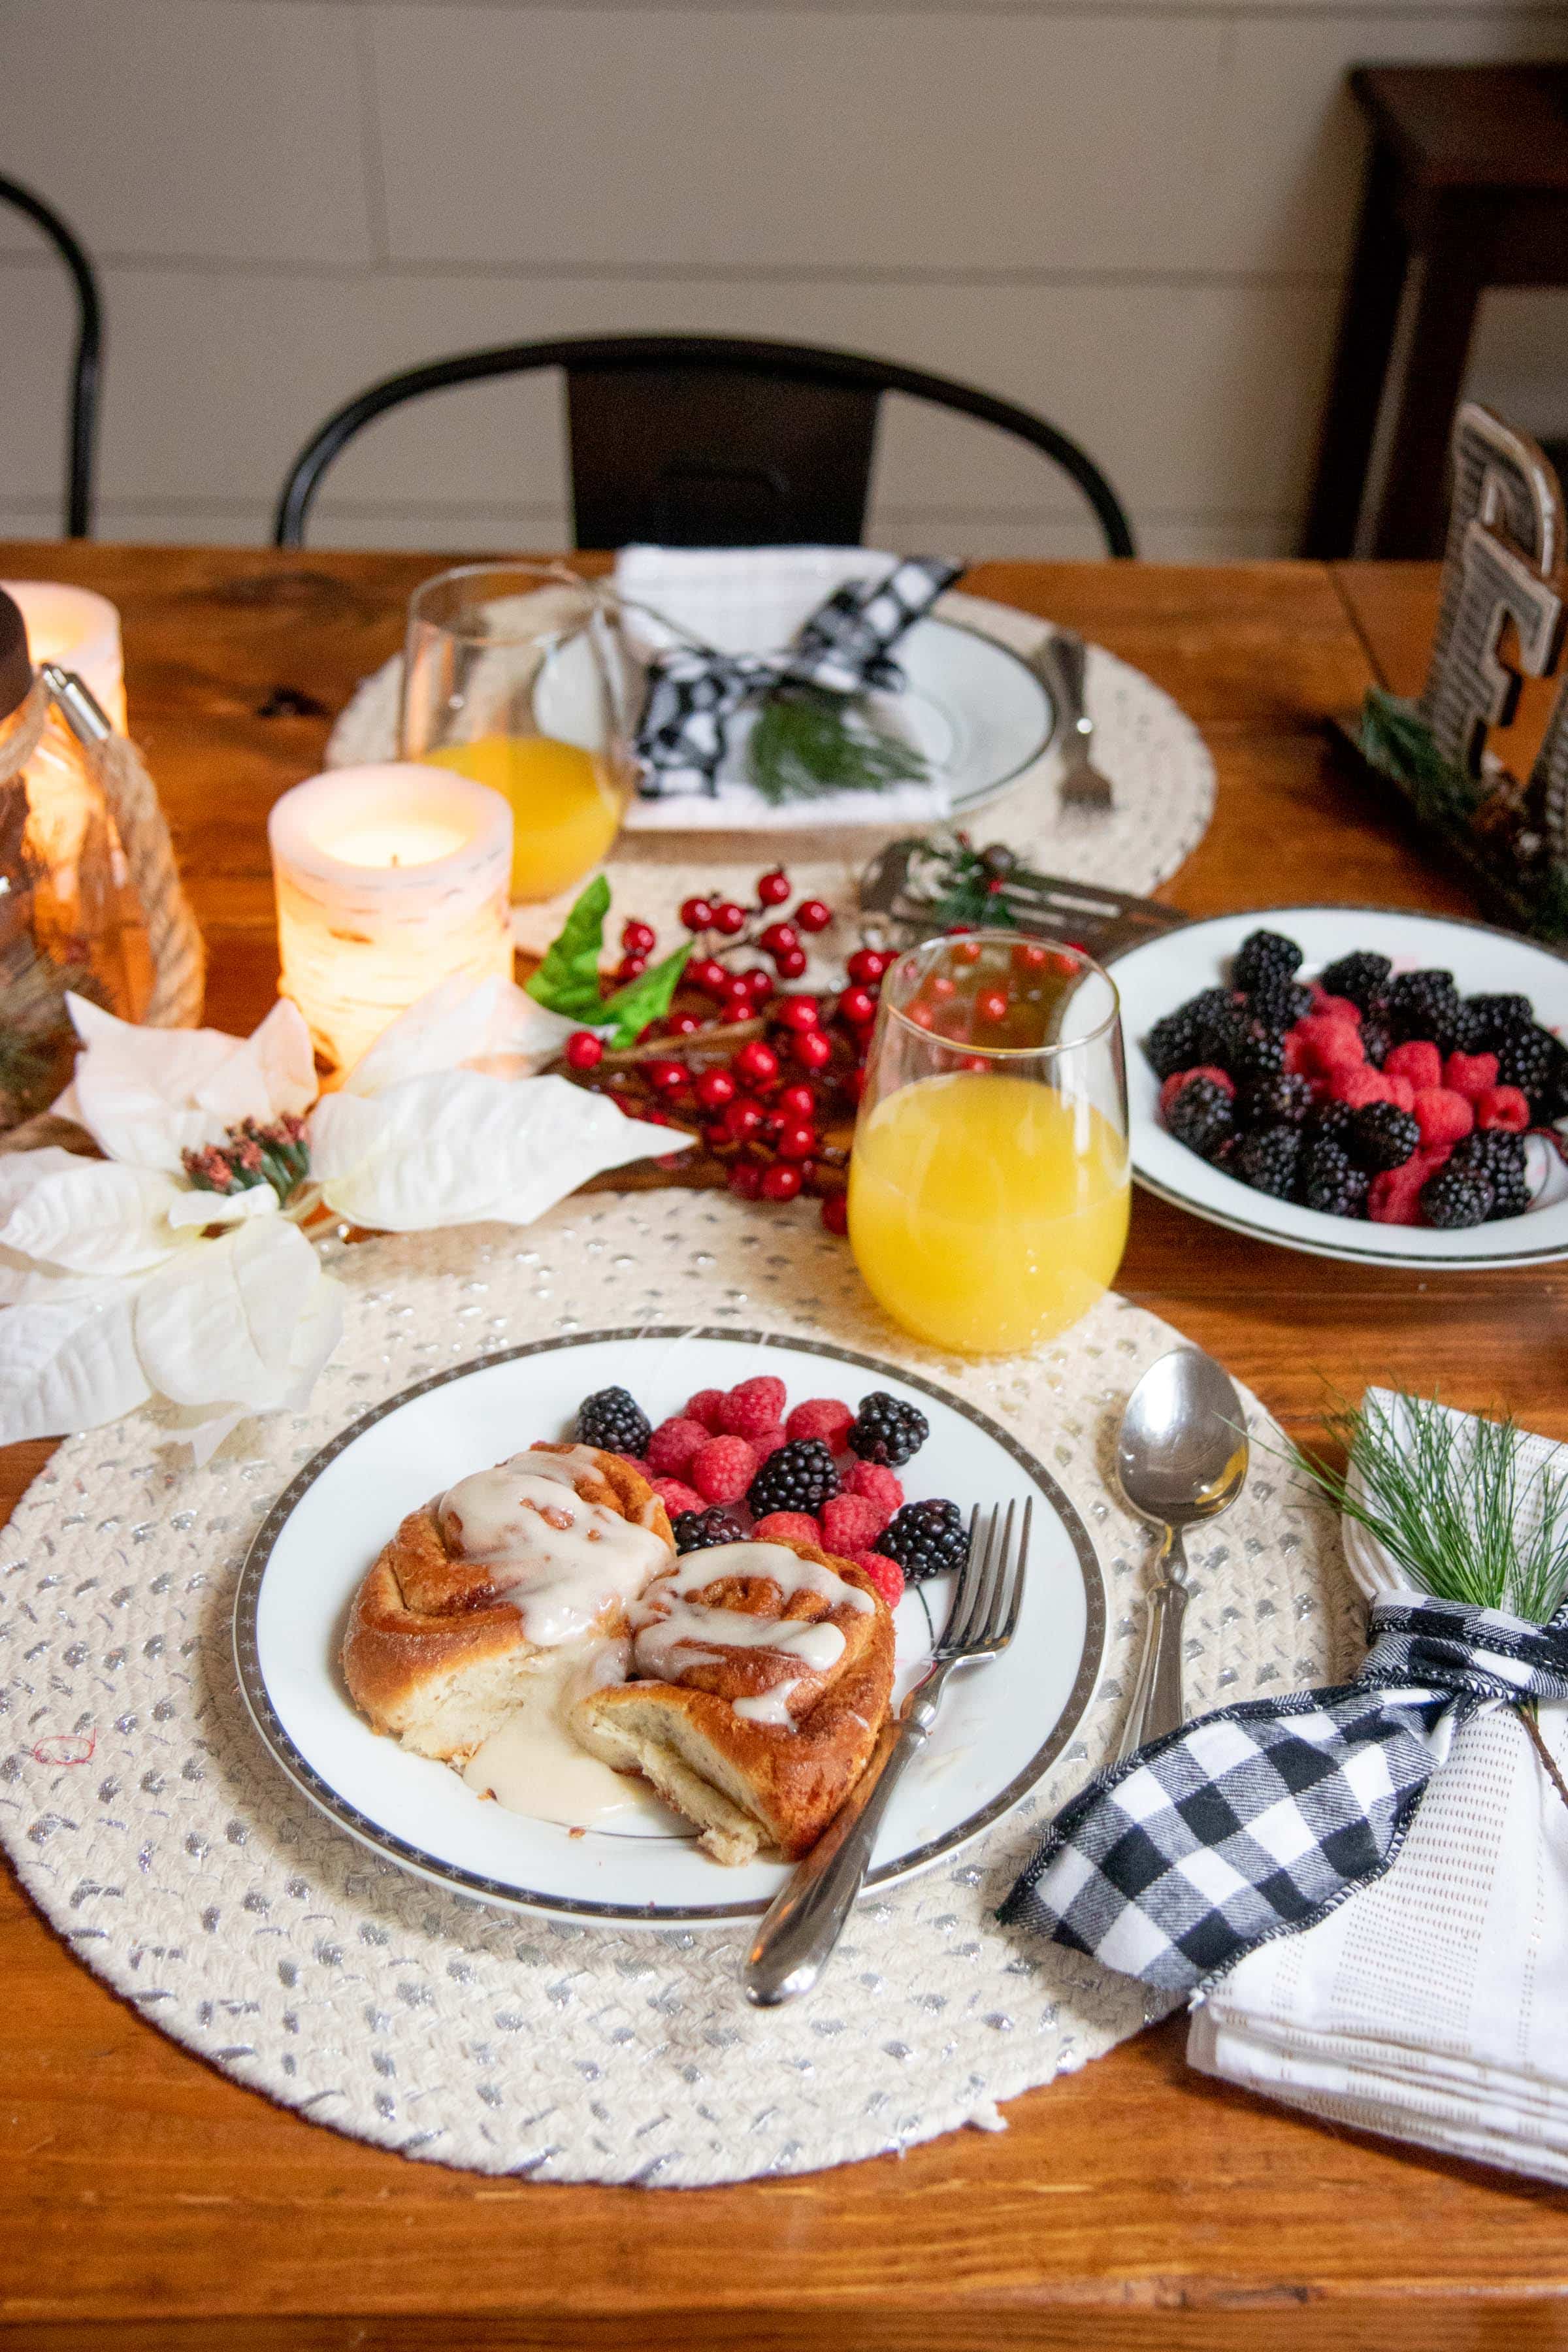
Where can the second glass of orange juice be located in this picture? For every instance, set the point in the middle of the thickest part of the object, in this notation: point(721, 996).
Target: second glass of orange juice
point(988, 1187)
point(514, 674)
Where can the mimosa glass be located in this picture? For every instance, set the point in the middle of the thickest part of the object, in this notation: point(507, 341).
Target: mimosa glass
point(514, 674)
point(988, 1189)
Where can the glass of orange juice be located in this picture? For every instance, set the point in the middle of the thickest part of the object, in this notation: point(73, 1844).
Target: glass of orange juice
point(514, 674)
point(988, 1186)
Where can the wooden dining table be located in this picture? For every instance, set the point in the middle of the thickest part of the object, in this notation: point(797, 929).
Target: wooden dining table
point(151, 2202)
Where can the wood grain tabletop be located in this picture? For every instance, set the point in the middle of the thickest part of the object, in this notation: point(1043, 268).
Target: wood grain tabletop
point(151, 2202)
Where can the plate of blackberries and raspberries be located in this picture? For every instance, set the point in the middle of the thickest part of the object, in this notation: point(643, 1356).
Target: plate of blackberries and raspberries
point(1353, 1081)
point(747, 1439)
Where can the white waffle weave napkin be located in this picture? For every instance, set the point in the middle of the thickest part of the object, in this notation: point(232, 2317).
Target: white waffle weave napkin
point(1433, 2005)
point(751, 600)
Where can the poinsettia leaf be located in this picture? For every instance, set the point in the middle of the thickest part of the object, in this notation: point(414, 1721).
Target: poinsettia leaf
point(215, 1324)
point(568, 978)
point(646, 999)
point(69, 1362)
point(94, 1217)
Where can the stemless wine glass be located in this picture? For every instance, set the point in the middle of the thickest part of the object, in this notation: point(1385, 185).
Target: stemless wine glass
point(988, 1188)
point(515, 674)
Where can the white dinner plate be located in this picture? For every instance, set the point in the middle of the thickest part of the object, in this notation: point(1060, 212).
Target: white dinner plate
point(1155, 978)
point(1001, 1725)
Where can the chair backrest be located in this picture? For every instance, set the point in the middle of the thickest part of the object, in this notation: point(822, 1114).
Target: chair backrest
point(701, 441)
point(82, 415)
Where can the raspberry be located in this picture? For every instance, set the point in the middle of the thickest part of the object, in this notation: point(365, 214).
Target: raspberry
point(1395, 1197)
point(723, 1469)
point(1361, 1085)
point(1404, 1094)
point(884, 1573)
point(677, 1497)
point(878, 1484)
point(849, 1523)
point(1470, 1075)
point(1330, 1046)
point(704, 1407)
point(1442, 1116)
point(635, 1462)
point(673, 1444)
point(752, 1408)
point(1179, 1078)
point(1298, 1061)
point(1334, 1008)
point(1419, 1061)
point(768, 1442)
point(1503, 1106)
point(825, 1417)
point(788, 1527)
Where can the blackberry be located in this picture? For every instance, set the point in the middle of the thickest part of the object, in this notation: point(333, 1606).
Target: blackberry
point(1495, 1017)
point(798, 1477)
point(1226, 1035)
point(1424, 1004)
point(1360, 977)
point(1377, 1038)
point(1382, 1136)
point(1551, 1099)
point(1264, 959)
point(926, 1539)
point(888, 1431)
point(1525, 1059)
point(1471, 1031)
point(1175, 1043)
point(1279, 1007)
point(1202, 1118)
point(1327, 1180)
point(1267, 1160)
point(1277, 1102)
point(1455, 1197)
point(1258, 1056)
point(1498, 1156)
point(614, 1422)
point(700, 1530)
point(1330, 1121)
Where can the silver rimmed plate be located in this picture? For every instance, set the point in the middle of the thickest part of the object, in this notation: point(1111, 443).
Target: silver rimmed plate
point(1155, 978)
point(1001, 1725)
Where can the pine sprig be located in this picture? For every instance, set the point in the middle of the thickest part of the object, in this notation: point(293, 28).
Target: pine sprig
point(36, 1032)
point(961, 884)
point(1448, 1500)
point(808, 741)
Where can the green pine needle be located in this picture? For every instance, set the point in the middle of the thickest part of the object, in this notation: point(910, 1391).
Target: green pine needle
point(1449, 1501)
point(808, 741)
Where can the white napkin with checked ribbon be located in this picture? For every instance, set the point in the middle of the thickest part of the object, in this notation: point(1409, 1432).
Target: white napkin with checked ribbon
point(753, 600)
point(1432, 2005)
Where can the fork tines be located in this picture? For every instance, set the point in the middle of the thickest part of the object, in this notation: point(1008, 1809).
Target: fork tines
point(990, 1587)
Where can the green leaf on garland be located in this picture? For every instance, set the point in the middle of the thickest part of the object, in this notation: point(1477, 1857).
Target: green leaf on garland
point(646, 999)
point(567, 982)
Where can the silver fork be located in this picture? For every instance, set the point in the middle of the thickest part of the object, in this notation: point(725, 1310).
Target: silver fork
point(804, 1922)
point(1061, 661)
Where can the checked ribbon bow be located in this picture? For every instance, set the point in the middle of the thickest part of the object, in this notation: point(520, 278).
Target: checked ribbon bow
point(1254, 1821)
point(845, 647)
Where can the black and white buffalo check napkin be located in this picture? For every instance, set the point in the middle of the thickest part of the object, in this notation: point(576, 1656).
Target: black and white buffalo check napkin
point(846, 646)
point(1254, 1821)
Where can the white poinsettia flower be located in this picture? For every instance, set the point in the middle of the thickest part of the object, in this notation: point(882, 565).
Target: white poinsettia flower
point(247, 1320)
point(148, 1096)
point(497, 1023)
point(459, 1147)
point(68, 1360)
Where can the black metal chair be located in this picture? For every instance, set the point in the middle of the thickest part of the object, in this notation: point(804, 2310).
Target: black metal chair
point(82, 417)
point(702, 441)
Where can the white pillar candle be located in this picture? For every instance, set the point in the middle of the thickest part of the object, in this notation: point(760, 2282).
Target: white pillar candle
point(388, 880)
point(79, 629)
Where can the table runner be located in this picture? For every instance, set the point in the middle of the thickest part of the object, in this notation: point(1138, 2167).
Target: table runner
point(1164, 797)
point(147, 1822)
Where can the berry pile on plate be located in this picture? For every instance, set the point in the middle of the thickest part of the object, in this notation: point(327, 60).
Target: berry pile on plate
point(1365, 1093)
point(736, 1465)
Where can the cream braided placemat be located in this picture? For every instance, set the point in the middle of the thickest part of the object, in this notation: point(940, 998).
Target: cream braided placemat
point(1155, 755)
point(147, 1822)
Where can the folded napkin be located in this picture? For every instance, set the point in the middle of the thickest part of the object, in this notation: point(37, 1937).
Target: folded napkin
point(751, 604)
point(1432, 2005)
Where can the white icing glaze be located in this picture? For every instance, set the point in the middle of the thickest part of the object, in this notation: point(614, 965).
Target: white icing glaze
point(559, 1560)
point(675, 1634)
point(533, 1763)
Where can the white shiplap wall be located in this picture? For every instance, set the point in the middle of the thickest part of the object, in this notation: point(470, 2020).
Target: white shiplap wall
point(1130, 214)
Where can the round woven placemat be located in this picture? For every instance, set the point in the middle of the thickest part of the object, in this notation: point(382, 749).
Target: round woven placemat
point(1145, 742)
point(152, 1829)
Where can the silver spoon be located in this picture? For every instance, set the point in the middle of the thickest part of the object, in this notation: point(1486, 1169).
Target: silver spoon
point(1181, 1457)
